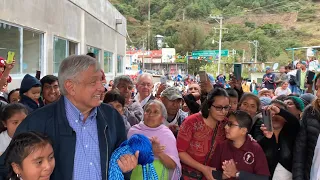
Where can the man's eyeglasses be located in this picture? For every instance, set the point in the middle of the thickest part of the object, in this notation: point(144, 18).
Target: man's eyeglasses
point(220, 108)
point(230, 124)
point(146, 84)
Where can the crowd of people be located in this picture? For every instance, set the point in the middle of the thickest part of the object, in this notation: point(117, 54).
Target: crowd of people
point(67, 127)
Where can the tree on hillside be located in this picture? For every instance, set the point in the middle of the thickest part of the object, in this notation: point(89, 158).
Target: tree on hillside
point(190, 38)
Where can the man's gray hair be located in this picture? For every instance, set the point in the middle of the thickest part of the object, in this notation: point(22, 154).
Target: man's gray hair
point(72, 66)
point(144, 75)
point(162, 107)
point(120, 78)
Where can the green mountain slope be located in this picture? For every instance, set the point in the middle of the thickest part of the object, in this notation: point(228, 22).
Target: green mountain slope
point(276, 24)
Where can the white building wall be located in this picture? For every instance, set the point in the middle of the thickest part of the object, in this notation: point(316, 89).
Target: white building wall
point(87, 22)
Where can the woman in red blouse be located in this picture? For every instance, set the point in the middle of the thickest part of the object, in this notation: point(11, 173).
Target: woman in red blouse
point(199, 134)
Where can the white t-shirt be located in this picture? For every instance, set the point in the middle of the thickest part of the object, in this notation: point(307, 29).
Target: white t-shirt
point(5, 140)
point(293, 73)
point(281, 173)
point(279, 91)
point(315, 168)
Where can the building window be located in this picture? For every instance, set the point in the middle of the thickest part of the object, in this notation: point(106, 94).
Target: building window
point(119, 64)
point(108, 62)
point(95, 51)
point(32, 51)
point(62, 49)
point(26, 44)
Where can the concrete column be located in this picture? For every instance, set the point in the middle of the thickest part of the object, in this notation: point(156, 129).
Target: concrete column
point(48, 53)
point(83, 46)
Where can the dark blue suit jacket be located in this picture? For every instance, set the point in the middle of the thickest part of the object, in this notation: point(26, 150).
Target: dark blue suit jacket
point(52, 120)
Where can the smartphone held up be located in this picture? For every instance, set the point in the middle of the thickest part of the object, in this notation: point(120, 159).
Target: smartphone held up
point(10, 57)
point(267, 119)
point(203, 76)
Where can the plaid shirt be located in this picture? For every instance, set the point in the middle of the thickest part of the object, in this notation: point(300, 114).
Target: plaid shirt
point(87, 153)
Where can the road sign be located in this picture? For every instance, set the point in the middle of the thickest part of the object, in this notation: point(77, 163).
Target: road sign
point(208, 53)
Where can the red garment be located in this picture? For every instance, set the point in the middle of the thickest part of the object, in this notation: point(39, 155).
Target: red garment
point(249, 157)
point(195, 137)
point(9, 79)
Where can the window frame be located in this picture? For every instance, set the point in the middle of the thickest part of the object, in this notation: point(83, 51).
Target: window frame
point(21, 29)
point(122, 59)
point(111, 54)
point(67, 50)
point(100, 50)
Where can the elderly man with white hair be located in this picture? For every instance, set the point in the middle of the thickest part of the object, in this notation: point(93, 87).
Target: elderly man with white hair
point(144, 86)
point(84, 131)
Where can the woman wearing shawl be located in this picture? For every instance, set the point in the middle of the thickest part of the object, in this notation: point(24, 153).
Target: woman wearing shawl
point(167, 162)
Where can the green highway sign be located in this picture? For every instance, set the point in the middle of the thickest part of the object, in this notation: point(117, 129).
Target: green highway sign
point(208, 53)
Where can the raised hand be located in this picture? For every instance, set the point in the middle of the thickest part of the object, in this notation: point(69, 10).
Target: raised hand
point(266, 133)
point(274, 110)
point(10, 66)
point(157, 148)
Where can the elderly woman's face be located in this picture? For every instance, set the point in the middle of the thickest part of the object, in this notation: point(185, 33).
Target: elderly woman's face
point(88, 90)
point(153, 115)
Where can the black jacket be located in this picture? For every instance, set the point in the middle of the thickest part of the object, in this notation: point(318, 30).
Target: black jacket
point(305, 144)
point(298, 77)
point(255, 131)
point(52, 120)
point(30, 104)
point(281, 152)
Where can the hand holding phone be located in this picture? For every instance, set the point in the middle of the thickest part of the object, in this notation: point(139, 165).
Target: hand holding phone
point(203, 76)
point(38, 74)
point(237, 71)
point(267, 119)
point(163, 80)
point(10, 57)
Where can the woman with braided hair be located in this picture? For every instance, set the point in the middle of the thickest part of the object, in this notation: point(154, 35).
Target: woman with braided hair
point(30, 156)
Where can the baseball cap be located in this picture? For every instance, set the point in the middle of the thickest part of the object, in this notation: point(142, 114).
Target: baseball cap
point(172, 93)
point(304, 63)
point(268, 68)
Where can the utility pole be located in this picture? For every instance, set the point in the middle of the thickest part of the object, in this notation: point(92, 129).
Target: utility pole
point(187, 58)
point(243, 55)
point(256, 44)
point(219, 20)
point(143, 50)
point(149, 24)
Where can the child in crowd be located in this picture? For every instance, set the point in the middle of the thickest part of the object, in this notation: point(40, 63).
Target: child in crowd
point(14, 96)
point(283, 89)
point(234, 99)
point(114, 99)
point(30, 90)
point(30, 156)
point(239, 157)
point(11, 116)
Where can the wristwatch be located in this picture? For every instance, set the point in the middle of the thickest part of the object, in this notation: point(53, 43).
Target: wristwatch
point(237, 175)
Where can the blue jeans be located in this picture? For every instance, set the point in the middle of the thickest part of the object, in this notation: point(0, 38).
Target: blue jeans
point(294, 89)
